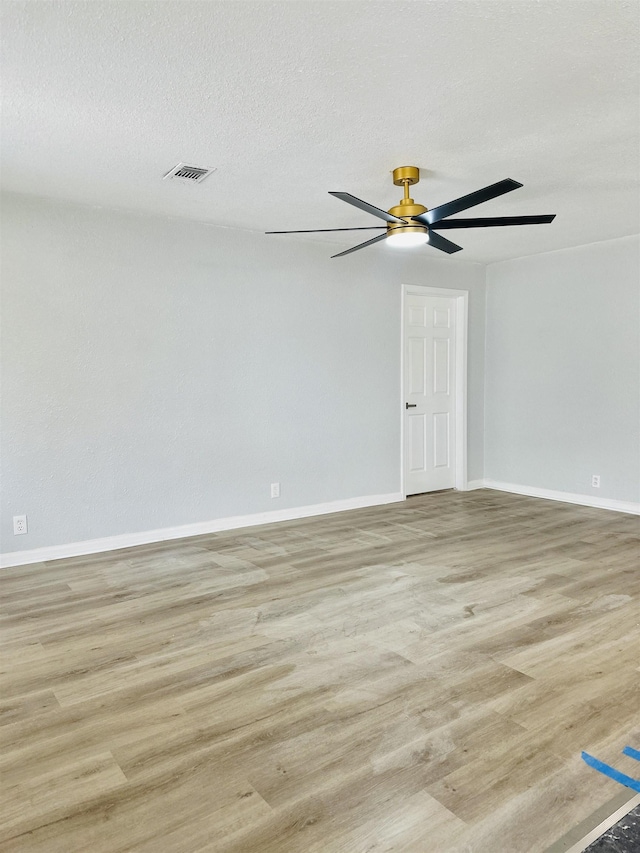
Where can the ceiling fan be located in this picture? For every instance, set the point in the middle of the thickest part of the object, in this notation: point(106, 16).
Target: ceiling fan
point(411, 224)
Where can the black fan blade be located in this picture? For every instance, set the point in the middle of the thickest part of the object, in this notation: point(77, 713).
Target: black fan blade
point(466, 201)
point(362, 245)
point(369, 208)
point(322, 230)
point(440, 242)
point(490, 221)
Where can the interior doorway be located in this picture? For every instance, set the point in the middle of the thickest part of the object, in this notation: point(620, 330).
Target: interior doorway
point(434, 389)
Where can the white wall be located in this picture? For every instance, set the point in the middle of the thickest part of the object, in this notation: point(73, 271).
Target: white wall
point(162, 372)
point(563, 370)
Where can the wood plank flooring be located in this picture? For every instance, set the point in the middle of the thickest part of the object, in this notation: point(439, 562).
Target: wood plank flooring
point(418, 677)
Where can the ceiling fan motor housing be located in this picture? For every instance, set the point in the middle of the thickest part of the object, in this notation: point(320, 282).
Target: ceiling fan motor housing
point(406, 176)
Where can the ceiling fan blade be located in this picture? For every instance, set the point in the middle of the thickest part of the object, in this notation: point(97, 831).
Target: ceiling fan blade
point(466, 201)
point(369, 208)
point(440, 242)
point(362, 245)
point(490, 221)
point(322, 230)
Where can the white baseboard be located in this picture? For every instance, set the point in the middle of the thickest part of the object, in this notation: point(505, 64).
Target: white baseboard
point(474, 484)
point(564, 497)
point(128, 540)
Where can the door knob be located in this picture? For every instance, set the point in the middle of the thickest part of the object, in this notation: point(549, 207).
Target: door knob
point(410, 405)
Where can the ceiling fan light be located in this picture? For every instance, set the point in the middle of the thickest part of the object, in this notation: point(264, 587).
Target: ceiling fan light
point(405, 239)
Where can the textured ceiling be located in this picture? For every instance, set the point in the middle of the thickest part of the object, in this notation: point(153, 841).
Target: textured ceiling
point(291, 99)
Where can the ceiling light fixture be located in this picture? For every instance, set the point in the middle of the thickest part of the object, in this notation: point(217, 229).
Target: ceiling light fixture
point(406, 237)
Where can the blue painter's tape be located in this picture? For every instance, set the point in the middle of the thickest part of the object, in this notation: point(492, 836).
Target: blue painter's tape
point(611, 772)
point(634, 753)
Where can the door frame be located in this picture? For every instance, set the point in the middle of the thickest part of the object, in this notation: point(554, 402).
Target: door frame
point(461, 298)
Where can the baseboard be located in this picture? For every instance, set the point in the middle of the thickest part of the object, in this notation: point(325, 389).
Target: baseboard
point(129, 540)
point(564, 497)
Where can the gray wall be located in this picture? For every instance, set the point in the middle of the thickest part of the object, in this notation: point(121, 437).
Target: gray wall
point(563, 370)
point(162, 372)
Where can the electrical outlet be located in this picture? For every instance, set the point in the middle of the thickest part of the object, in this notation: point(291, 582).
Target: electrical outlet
point(275, 490)
point(19, 525)
point(595, 481)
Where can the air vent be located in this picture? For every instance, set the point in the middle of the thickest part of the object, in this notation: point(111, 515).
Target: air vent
point(188, 174)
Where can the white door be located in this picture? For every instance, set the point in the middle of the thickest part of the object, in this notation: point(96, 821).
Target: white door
point(429, 393)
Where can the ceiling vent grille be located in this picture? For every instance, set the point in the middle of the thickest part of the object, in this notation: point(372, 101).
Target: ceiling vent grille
point(188, 174)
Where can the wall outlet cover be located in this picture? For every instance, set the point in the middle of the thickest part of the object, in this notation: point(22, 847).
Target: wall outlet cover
point(19, 525)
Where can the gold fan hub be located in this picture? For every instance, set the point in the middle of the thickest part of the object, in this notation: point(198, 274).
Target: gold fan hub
point(403, 210)
point(406, 210)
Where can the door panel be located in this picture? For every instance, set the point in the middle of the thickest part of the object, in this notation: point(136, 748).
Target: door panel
point(417, 366)
point(441, 318)
point(441, 440)
point(417, 438)
point(417, 315)
point(429, 387)
point(441, 366)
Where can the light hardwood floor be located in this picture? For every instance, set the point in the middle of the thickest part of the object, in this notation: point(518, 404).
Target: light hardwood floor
point(417, 677)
